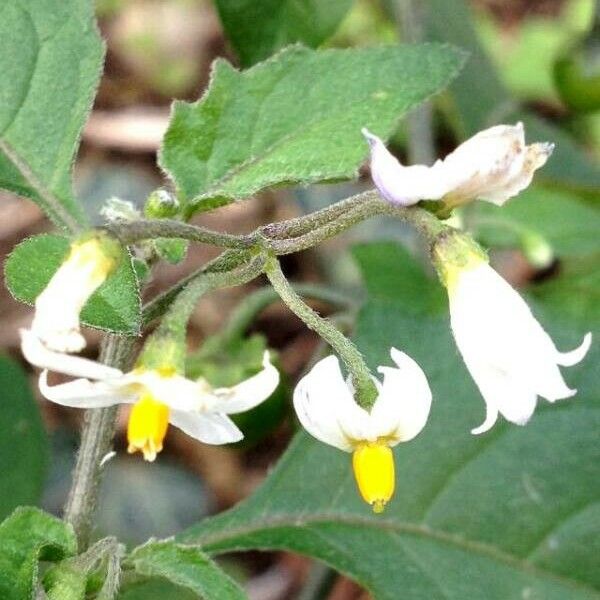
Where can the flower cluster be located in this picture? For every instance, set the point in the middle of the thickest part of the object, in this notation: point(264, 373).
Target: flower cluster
point(509, 355)
point(159, 395)
point(507, 352)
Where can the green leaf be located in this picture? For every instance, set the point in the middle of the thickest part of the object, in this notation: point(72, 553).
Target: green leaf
point(295, 118)
point(258, 29)
point(154, 589)
point(511, 514)
point(186, 566)
point(171, 250)
point(50, 61)
point(26, 537)
point(114, 307)
point(65, 582)
point(482, 101)
point(23, 443)
point(560, 217)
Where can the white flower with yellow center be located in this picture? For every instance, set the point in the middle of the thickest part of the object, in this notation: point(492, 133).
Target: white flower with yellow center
point(325, 406)
point(158, 396)
point(57, 308)
point(493, 165)
point(507, 352)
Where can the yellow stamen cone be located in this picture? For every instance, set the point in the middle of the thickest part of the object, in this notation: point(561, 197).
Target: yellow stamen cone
point(373, 465)
point(148, 423)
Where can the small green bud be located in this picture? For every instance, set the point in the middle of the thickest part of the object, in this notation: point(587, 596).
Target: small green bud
point(537, 250)
point(161, 204)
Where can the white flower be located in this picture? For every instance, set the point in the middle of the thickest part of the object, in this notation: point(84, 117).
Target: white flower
point(507, 352)
point(493, 165)
point(159, 397)
point(325, 406)
point(57, 308)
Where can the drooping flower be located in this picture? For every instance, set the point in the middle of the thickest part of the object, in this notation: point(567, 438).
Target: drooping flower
point(507, 352)
point(325, 406)
point(159, 396)
point(493, 165)
point(56, 321)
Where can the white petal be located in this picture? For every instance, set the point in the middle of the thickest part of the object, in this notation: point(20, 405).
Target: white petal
point(568, 359)
point(83, 393)
point(40, 356)
point(321, 398)
point(210, 428)
point(403, 405)
point(248, 393)
point(491, 416)
point(176, 391)
point(57, 308)
point(502, 393)
point(399, 184)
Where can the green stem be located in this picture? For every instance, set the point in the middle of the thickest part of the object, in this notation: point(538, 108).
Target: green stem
point(166, 345)
point(228, 260)
point(130, 232)
point(96, 440)
point(366, 392)
point(301, 225)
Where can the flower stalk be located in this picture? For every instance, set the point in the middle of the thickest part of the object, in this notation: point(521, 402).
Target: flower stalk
point(96, 440)
point(365, 389)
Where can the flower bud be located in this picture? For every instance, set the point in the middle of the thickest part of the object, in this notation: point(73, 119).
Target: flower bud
point(161, 204)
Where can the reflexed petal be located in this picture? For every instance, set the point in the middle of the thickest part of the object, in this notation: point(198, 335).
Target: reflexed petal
point(502, 393)
point(176, 391)
point(210, 428)
point(568, 359)
point(319, 399)
point(399, 184)
point(40, 356)
point(403, 405)
point(83, 393)
point(248, 393)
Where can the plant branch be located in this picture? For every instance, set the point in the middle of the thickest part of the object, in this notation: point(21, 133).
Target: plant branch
point(96, 439)
point(366, 393)
point(130, 232)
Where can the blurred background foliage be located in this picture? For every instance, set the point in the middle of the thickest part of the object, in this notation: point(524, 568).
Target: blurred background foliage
point(538, 61)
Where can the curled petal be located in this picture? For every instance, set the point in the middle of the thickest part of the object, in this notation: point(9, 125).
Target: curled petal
point(568, 359)
point(319, 399)
point(40, 356)
point(83, 393)
point(403, 405)
point(248, 393)
point(210, 428)
point(505, 394)
point(399, 184)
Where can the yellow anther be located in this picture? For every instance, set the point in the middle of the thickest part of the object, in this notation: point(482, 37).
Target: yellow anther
point(373, 465)
point(148, 423)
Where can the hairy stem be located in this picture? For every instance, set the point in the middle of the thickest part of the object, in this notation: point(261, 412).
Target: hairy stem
point(96, 439)
point(130, 232)
point(366, 393)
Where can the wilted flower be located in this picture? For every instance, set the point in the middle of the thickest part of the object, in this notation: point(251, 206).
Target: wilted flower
point(507, 352)
point(159, 397)
point(493, 165)
point(57, 308)
point(326, 408)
